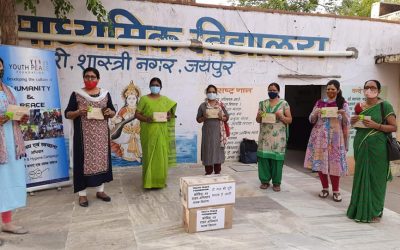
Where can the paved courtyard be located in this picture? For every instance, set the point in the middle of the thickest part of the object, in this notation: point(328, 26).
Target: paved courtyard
point(138, 219)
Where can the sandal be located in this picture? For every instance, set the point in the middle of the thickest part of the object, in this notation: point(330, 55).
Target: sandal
point(15, 230)
point(337, 197)
point(323, 194)
point(83, 201)
point(276, 188)
point(376, 219)
point(264, 185)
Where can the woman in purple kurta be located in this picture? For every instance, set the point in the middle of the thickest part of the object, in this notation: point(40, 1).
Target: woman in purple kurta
point(328, 144)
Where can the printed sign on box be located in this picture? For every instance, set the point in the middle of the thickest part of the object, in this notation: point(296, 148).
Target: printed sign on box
point(207, 218)
point(210, 219)
point(211, 195)
point(204, 191)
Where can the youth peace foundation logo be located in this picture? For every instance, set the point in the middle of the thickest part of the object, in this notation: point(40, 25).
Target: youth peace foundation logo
point(33, 65)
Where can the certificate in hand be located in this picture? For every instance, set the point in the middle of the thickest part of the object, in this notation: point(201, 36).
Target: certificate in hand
point(268, 118)
point(15, 112)
point(212, 113)
point(95, 113)
point(329, 112)
point(359, 123)
point(160, 117)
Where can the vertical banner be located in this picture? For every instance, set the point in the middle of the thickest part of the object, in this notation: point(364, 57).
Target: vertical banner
point(32, 73)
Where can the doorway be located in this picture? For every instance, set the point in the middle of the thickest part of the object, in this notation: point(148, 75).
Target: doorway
point(301, 99)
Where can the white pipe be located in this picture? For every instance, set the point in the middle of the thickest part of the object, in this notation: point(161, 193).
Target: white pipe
point(280, 52)
point(181, 44)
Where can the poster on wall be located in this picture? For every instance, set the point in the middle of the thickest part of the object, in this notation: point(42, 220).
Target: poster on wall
point(32, 73)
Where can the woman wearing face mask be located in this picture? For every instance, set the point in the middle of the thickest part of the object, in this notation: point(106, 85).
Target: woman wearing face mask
point(157, 135)
point(328, 143)
point(370, 153)
point(212, 114)
point(90, 139)
point(12, 167)
point(274, 117)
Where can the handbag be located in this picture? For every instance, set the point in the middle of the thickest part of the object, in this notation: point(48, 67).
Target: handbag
point(227, 129)
point(393, 146)
point(226, 125)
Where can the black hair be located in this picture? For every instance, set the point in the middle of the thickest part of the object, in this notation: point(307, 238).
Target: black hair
point(378, 84)
point(90, 69)
point(211, 86)
point(155, 79)
point(1, 60)
point(275, 85)
point(339, 97)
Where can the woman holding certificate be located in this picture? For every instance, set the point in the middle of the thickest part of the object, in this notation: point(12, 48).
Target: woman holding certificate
point(328, 143)
point(370, 153)
point(213, 115)
point(156, 114)
point(90, 108)
point(12, 152)
point(274, 117)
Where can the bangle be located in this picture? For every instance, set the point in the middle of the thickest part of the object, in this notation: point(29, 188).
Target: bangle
point(380, 125)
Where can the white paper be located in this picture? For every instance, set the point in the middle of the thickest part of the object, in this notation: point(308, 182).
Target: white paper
point(212, 113)
point(210, 219)
point(17, 111)
point(211, 195)
point(95, 114)
point(360, 124)
point(329, 112)
point(160, 117)
point(268, 118)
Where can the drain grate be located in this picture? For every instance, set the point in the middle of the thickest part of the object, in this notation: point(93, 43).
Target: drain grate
point(244, 168)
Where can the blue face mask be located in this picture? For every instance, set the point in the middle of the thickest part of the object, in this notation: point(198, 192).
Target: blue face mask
point(211, 96)
point(272, 95)
point(155, 89)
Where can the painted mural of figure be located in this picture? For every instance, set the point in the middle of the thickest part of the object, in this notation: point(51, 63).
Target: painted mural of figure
point(126, 129)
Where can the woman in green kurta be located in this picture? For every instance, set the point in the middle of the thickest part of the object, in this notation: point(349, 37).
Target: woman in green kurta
point(157, 136)
point(272, 138)
point(370, 153)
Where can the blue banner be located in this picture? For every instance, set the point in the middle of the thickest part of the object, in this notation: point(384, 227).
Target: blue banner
point(32, 73)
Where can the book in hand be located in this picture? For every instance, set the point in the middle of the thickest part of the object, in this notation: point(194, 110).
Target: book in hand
point(95, 113)
point(359, 123)
point(212, 113)
point(160, 117)
point(329, 112)
point(268, 118)
point(15, 112)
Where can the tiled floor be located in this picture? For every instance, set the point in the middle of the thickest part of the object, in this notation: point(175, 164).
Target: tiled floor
point(295, 218)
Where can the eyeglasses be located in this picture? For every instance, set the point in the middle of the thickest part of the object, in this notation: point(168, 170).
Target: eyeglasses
point(370, 87)
point(90, 77)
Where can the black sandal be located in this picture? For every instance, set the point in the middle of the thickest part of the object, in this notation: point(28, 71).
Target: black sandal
point(337, 197)
point(323, 194)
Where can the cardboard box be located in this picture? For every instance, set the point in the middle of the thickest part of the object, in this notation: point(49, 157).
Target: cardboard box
point(207, 218)
point(206, 191)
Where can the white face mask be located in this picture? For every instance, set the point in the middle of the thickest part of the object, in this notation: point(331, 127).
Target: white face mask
point(368, 93)
point(211, 96)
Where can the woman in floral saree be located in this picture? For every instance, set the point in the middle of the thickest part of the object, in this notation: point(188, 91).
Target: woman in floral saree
point(370, 153)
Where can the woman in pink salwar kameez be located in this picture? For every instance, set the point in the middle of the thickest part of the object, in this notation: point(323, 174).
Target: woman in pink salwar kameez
point(328, 144)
